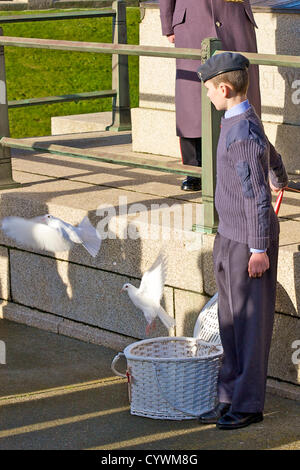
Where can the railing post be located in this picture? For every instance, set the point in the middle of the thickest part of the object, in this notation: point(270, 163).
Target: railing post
point(6, 181)
point(210, 134)
point(120, 75)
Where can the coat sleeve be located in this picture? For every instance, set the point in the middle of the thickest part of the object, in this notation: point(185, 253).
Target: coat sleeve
point(246, 157)
point(277, 174)
point(249, 12)
point(167, 8)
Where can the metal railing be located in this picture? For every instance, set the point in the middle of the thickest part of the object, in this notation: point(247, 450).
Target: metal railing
point(120, 81)
point(210, 117)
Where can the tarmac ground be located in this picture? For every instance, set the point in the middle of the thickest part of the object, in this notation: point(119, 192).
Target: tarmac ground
point(59, 393)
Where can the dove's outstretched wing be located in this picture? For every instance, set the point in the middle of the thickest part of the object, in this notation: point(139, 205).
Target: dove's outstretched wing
point(66, 230)
point(31, 233)
point(89, 236)
point(148, 296)
point(153, 280)
point(84, 234)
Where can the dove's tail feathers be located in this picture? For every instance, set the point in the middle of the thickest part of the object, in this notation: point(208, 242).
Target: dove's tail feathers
point(168, 321)
point(91, 240)
point(34, 235)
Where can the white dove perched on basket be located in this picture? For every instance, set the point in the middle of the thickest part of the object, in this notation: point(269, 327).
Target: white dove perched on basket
point(148, 296)
point(49, 233)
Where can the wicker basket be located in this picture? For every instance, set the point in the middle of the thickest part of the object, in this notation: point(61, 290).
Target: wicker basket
point(207, 324)
point(171, 377)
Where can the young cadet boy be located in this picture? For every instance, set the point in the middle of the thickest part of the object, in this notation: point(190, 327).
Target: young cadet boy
point(246, 245)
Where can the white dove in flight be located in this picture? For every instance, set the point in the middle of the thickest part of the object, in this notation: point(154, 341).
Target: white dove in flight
point(47, 232)
point(148, 296)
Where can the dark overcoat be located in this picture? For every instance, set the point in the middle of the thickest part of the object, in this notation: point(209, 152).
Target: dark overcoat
point(191, 21)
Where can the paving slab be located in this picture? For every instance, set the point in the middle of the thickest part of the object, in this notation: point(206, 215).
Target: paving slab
point(131, 179)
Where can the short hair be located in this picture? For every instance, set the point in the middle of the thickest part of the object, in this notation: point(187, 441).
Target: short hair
point(238, 79)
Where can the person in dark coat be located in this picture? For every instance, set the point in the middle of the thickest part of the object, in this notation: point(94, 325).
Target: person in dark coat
point(186, 23)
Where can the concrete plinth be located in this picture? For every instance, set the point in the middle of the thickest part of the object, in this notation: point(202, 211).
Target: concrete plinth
point(153, 129)
point(277, 33)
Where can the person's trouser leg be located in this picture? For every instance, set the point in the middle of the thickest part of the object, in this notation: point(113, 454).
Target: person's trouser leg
point(246, 315)
point(191, 155)
point(228, 371)
point(191, 151)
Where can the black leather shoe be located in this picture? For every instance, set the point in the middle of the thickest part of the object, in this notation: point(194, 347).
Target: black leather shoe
point(238, 420)
point(191, 184)
point(212, 416)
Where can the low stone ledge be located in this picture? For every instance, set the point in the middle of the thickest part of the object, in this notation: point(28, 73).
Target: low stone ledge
point(283, 389)
point(54, 324)
point(93, 335)
point(30, 317)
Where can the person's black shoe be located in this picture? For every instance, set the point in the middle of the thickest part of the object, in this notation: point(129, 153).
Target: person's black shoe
point(191, 184)
point(238, 420)
point(212, 416)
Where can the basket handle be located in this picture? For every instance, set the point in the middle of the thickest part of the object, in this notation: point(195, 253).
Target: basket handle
point(115, 360)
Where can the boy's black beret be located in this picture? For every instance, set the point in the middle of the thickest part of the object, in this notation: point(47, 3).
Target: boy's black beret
point(221, 63)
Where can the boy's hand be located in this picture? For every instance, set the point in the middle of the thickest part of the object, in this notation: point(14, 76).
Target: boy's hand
point(171, 38)
point(258, 264)
point(276, 190)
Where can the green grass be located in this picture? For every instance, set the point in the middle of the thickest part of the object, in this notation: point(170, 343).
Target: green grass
point(33, 73)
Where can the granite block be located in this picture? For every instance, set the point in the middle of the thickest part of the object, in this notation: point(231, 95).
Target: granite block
point(188, 305)
point(284, 360)
point(79, 293)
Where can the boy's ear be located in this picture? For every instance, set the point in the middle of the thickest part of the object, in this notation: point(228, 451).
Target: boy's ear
point(225, 89)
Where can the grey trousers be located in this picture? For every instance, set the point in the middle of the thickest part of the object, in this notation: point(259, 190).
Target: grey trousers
point(246, 314)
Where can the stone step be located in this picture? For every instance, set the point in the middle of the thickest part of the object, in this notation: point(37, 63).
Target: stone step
point(158, 139)
point(76, 123)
